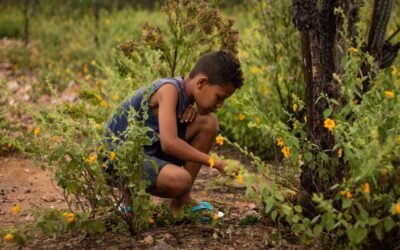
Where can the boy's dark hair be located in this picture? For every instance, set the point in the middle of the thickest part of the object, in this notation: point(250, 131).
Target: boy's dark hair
point(221, 67)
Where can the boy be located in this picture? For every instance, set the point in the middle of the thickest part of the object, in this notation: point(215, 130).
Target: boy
point(181, 135)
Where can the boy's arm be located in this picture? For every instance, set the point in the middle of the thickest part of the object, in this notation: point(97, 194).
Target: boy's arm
point(171, 144)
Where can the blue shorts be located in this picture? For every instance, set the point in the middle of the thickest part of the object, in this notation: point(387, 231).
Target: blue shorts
point(154, 160)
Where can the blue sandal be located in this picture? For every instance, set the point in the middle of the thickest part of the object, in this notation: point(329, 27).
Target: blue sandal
point(203, 205)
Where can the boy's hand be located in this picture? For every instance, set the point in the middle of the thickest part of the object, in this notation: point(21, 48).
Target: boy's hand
point(188, 115)
point(220, 166)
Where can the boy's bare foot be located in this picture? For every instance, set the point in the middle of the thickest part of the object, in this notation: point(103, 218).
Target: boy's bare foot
point(177, 204)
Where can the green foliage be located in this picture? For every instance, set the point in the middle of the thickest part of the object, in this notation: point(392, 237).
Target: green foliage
point(271, 63)
point(192, 28)
point(11, 25)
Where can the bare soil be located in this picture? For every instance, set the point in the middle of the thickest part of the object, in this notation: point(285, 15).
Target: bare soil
point(23, 182)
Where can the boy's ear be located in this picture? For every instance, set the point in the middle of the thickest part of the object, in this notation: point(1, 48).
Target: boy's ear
point(201, 81)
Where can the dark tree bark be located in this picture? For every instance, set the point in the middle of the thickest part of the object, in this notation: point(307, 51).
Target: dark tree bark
point(26, 22)
point(97, 22)
point(319, 29)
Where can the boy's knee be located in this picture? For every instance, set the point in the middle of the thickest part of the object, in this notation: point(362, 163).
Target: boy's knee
point(210, 124)
point(181, 183)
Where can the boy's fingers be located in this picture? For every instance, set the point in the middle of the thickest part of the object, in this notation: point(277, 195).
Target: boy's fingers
point(192, 116)
point(184, 116)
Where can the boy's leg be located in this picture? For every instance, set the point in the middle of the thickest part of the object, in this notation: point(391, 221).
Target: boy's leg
point(200, 134)
point(176, 182)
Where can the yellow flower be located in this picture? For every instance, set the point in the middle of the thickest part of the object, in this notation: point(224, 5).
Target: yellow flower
point(97, 126)
point(279, 142)
point(389, 94)
point(219, 140)
point(150, 220)
point(358, 79)
point(211, 162)
point(88, 77)
point(243, 54)
point(295, 107)
point(112, 156)
point(258, 120)
point(69, 216)
point(296, 125)
point(394, 71)
point(366, 188)
point(215, 217)
point(343, 193)
point(241, 117)
point(352, 49)
point(93, 62)
point(340, 152)
point(68, 70)
point(286, 152)
point(54, 138)
point(329, 124)
point(103, 104)
point(116, 97)
point(239, 179)
point(85, 68)
point(8, 237)
point(348, 195)
point(91, 159)
point(255, 70)
point(397, 208)
point(16, 209)
point(36, 131)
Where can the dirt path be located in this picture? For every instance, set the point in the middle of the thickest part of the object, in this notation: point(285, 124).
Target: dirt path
point(23, 182)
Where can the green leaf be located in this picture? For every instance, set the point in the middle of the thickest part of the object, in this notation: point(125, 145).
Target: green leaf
point(357, 235)
point(388, 224)
point(298, 209)
point(317, 230)
point(274, 214)
point(327, 112)
point(328, 221)
point(378, 231)
point(373, 221)
point(308, 156)
point(346, 203)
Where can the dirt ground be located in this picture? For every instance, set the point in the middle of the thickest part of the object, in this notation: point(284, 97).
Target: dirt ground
point(23, 182)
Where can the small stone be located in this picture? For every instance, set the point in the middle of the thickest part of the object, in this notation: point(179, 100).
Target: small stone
point(148, 240)
point(213, 172)
point(27, 170)
point(29, 218)
point(27, 190)
point(26, 97)
point(167, 236)
point(13, 86)
point(252, 206)
point(161, 246)
point(252, 213)
point(48, 198)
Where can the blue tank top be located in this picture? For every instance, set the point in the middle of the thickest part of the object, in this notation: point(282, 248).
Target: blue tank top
point(119, 122)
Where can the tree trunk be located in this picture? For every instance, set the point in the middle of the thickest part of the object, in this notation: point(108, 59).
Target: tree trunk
point(26, 22)
point(97, 22)
point(319, 29)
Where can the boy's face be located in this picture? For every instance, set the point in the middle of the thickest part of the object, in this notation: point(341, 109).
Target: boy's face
point(210, 97)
